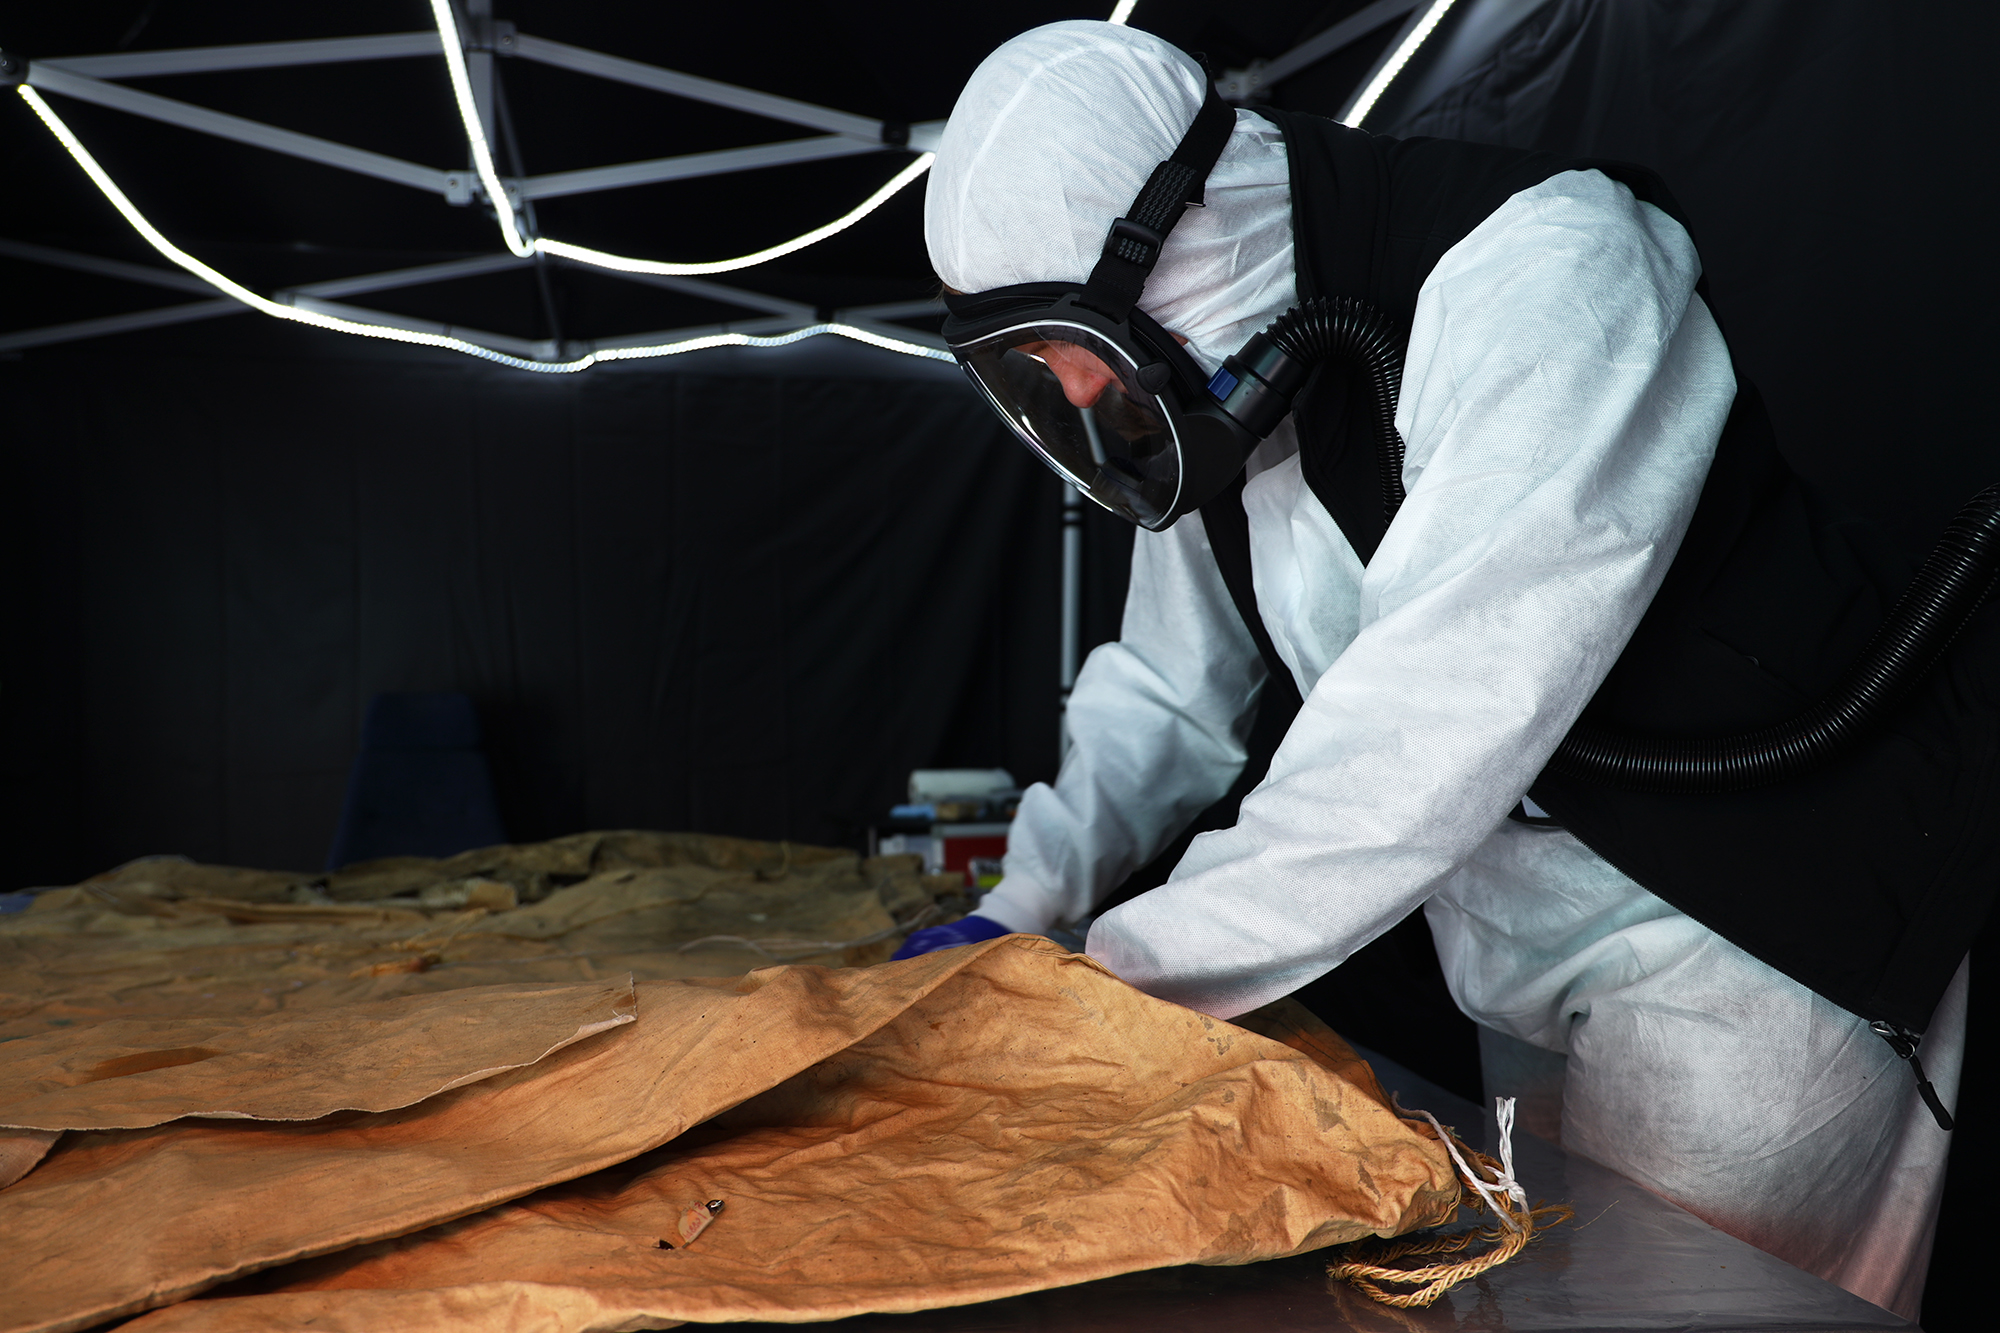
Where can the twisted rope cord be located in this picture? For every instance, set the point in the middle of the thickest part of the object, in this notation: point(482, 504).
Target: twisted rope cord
point(1368, 1266)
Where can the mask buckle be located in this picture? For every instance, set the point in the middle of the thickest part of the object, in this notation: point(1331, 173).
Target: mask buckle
point(1135, 243)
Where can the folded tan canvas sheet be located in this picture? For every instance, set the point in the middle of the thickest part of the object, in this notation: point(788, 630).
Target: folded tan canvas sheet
point(165, 937)
point(21, 1149)
point(134, 1073)
point(115, 1221)
point(958, 1127)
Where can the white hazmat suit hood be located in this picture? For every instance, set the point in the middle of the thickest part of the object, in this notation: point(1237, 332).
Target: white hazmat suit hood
point(1051, 141)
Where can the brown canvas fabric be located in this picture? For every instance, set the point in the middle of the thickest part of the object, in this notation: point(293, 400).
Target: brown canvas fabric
point(948, 1129)
point(134, 1073)
point(196, 1202)
point(166, 937)
point(21, 1149)
point(1022, 1120)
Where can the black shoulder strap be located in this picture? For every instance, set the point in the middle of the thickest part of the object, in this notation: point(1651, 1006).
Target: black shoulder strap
point(1135, 240)
point(1228, 529)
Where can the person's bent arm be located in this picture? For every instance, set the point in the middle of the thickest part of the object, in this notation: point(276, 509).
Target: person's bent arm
point(1562, 400)
point(1157, 723)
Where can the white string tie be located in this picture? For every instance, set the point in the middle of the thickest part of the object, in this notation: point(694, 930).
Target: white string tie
point(1505, 1184)
point(1503, 1111)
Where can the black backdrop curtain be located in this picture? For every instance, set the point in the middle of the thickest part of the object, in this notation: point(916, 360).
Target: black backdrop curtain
point(749, 602)
point(738, 602)
point(1833, 157)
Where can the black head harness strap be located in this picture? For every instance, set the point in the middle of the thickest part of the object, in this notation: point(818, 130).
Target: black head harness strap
point(1135, 242)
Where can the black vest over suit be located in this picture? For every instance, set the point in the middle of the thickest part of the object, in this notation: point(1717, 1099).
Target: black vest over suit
point(1865, 880)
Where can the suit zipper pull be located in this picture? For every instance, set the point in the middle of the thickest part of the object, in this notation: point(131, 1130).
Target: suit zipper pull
point(1904, 1043)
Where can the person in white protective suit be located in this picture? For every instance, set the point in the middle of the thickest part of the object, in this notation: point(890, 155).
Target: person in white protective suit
point(1561, 399)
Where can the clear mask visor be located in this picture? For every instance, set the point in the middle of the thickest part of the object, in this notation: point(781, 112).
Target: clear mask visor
point(1074, 397)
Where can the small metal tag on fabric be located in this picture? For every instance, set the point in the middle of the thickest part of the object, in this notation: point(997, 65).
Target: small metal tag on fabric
point(695, 1219)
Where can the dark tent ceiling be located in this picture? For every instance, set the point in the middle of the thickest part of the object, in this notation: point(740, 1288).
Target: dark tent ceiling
point(1828, 152)
point(273, 220)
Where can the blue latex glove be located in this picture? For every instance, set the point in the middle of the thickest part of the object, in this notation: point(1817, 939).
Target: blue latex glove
point(966, 930)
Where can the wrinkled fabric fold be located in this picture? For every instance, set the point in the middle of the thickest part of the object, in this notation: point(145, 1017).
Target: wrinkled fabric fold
point(134, 1073)
point(976, 1123)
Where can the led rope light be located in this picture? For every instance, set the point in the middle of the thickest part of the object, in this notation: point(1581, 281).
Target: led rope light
point(482, 157)
point(228, 286)
point(848, 331)
point(585, 255)
point(278, 310)
point(1383, 77)
point(475, 129)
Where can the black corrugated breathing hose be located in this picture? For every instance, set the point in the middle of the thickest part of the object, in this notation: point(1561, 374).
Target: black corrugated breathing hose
point(1960, 573)
point(1343, 326)
point(1952, 584)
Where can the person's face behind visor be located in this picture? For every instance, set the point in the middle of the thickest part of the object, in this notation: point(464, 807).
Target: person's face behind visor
point(1074, 397)
point(1082, 374)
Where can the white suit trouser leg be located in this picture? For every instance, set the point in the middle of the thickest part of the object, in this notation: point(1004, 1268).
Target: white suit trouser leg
point(1758, 1106)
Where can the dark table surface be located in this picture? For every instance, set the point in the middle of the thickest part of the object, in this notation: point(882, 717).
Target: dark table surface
point(1630, 1260)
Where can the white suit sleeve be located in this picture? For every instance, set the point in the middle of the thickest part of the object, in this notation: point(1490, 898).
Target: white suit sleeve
point(1157, 722)
point(1563, 394)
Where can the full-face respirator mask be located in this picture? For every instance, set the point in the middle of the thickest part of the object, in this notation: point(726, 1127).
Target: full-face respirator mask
point(1115, 404)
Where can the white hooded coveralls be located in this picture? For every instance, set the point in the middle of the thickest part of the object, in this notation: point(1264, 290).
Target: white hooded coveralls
point(1561, 398)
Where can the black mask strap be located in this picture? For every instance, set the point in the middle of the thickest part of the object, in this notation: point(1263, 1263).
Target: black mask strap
point(1135, 241)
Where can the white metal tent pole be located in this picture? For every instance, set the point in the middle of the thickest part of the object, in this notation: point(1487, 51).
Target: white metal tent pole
point(53, 77)
point(470, 65)
point(479, 68)
point(1072, 581)
point(396, 328)
point(686, 166)
point(255, 55)
point(476, 126)
point(1072, 607)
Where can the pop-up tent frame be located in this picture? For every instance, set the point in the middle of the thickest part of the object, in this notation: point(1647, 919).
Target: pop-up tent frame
point(95, 79)
point(484, 39)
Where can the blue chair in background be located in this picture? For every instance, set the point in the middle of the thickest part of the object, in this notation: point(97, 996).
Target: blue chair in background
point(420, 786)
